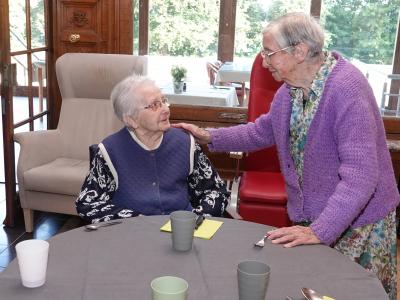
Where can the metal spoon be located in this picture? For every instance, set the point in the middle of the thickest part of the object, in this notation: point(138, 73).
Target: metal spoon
point(310, 294)
point(92, 227)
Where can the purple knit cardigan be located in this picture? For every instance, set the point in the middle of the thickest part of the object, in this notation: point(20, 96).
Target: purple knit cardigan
point(348, 175)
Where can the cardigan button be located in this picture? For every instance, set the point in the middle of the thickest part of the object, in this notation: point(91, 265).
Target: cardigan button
point(154, 184)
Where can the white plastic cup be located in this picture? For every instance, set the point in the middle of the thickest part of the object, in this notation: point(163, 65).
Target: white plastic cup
point(253, 279)
point(32, 258)
point(169, 288)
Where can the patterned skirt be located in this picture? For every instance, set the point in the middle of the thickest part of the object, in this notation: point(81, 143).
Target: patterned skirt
point(374, 246)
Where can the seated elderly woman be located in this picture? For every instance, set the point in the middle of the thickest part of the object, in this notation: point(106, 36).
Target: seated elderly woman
point(147, 167)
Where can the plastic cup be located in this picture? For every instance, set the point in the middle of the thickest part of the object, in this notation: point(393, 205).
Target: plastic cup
point(253, 278)
point(169, 288)
point(32, 258)
point(182, 224)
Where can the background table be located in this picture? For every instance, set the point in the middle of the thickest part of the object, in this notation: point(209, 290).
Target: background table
point(119, 262)
point(203, 95)
point(234, 72)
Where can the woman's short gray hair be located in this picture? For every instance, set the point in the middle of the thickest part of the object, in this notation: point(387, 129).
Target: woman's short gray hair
point(126, 96)
point(294, 28)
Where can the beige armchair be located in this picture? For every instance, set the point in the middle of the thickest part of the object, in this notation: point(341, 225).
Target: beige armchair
point(53, 163)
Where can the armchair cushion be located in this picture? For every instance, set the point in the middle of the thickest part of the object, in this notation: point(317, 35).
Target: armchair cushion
point(61, 176)
point(265, 214)
point(262, 188)
point(32, 142)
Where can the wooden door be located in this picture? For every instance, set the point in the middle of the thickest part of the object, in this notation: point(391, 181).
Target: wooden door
point(95, 26)
point(87, 26)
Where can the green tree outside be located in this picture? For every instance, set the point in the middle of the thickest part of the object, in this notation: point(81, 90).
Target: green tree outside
point(361, 29)
point(252, 16)
point(365, 30)
point(183, 28)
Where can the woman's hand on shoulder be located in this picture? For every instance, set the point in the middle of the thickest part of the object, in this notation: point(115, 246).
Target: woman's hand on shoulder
point(201, 135)
point(293, 236)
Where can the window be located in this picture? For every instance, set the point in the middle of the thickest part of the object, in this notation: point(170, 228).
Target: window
point(364, 32)
point(251, 18)
point(136, 27)
point(28, 60)
point(182, 32)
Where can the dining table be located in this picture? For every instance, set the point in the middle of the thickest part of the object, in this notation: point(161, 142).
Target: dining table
point(202, 95)
point(234, 72)
point(120, 261)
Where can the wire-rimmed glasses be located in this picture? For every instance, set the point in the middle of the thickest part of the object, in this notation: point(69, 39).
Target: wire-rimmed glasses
point(156, 105)
point(267, 55)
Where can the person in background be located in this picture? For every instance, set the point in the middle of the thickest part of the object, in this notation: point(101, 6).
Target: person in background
point(147, 167)
point(332, 148)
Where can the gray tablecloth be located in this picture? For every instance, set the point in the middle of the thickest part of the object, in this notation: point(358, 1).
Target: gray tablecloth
point(119, 262)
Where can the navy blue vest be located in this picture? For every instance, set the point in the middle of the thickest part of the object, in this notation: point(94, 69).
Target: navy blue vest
point(151, 182)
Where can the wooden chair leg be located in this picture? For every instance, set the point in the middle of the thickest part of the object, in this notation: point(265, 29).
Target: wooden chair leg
point(28, 219)
point(232, 208)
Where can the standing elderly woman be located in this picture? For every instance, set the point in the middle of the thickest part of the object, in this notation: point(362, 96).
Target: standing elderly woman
point(147, 167)
point(331, 144)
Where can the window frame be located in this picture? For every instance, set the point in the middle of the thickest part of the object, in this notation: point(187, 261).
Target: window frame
point(226, 36)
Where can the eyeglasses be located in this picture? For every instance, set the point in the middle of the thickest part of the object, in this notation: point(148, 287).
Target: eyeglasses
point(267, 55)
point(157, 104)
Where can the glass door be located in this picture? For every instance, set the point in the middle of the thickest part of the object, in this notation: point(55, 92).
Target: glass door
point(23, 87)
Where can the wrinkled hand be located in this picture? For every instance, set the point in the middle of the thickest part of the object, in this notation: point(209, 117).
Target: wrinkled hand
point(293, 236)
point(202, 136)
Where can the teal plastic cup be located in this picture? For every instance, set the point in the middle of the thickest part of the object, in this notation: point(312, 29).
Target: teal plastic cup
point(169, 288)
point(182, 225)
point(253, 279)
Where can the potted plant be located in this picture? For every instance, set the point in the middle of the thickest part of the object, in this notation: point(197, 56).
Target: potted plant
point(178, 75)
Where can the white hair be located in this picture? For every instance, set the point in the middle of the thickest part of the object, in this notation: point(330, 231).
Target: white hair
point(126, 97)
point(294, 28)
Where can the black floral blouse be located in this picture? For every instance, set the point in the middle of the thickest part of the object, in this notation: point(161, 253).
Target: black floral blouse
point(207, 191)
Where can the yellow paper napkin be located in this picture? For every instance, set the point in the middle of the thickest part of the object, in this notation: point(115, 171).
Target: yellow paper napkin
point(206, 230)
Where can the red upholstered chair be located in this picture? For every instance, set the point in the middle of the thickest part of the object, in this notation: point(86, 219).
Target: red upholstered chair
point(262, 195)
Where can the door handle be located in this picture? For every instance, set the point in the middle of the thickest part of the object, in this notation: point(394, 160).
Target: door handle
point(74, 37)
